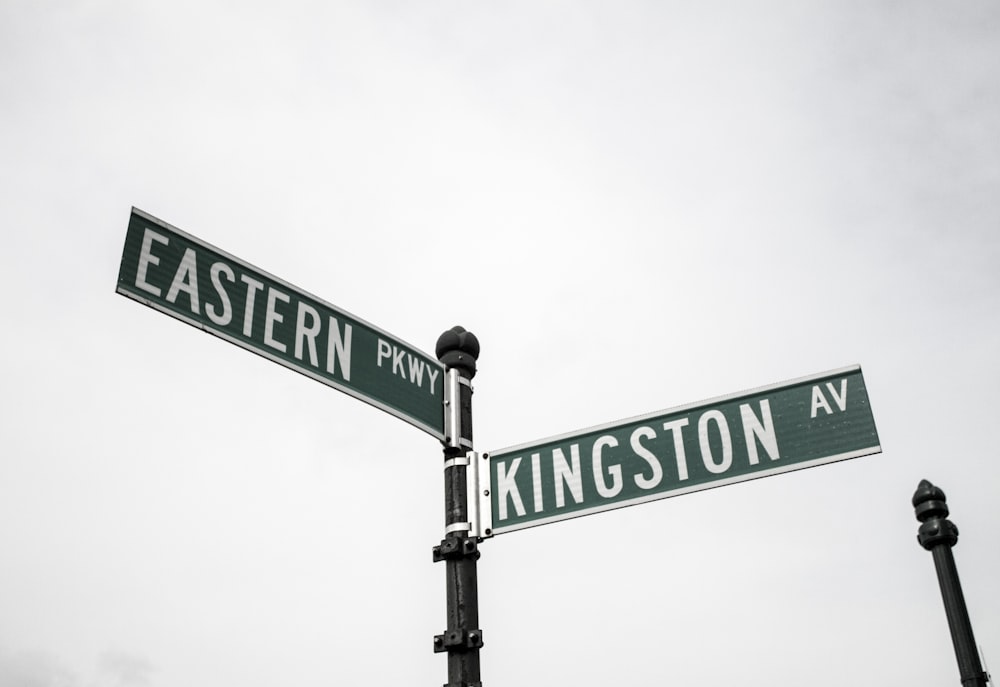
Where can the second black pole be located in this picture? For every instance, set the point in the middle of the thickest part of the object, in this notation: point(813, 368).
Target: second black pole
point(938, 535)
point(458, 351)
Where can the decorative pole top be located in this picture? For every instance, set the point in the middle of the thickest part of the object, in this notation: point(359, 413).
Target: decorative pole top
point(929, 501)
point(458, 348)
point(932, 511)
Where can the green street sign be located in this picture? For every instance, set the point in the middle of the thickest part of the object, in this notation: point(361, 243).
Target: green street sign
point(811, 421)
point(197, 283)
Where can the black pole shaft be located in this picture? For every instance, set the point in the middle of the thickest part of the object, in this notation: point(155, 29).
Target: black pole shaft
point(460, 573)
point(969, 666)
point(938, 535)
point(458, 350)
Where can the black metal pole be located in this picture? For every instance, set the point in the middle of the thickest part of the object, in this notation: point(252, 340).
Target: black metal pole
point(458, 350)
point(937, 534)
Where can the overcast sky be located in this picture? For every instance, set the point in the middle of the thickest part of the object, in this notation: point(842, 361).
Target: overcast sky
point(633, 205)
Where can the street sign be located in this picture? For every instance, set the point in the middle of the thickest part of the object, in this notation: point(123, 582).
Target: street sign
point(811, 421)
point(197, 283)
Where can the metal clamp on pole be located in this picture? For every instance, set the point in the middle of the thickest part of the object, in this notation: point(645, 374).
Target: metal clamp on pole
point(458, 640)
point(456, 461)
point(453, 435)
point(479, 485)
point(468, 462)
point(451, 548)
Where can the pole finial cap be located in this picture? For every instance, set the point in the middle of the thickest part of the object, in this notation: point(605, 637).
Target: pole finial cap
point(458, 348)
point(932, 512)
point(929, 502)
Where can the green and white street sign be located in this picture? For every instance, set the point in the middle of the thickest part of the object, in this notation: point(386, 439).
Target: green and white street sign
point(197, 283)
point(811, 421)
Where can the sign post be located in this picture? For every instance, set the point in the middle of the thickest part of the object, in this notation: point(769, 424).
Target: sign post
point(938, 535)
point(458, 350)
point(193, 281)
point(806, 422)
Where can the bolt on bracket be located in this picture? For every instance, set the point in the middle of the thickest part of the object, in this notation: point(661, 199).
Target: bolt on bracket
point(458, 640)
point(456, 547)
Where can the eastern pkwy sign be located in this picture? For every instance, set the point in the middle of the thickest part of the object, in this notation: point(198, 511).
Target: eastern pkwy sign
point(197, 283)
point(811, 421)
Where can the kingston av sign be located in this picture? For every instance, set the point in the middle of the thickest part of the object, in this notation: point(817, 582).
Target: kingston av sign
point(799, 424)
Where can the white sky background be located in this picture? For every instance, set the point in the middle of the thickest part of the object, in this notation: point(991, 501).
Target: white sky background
point(633, 205)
